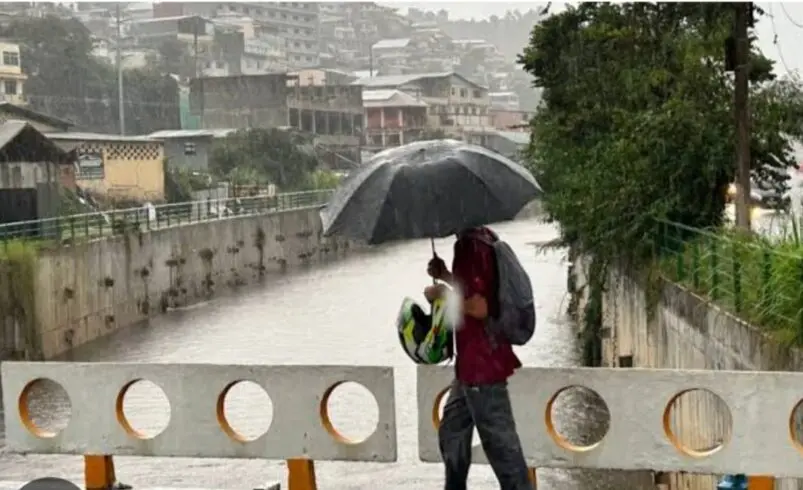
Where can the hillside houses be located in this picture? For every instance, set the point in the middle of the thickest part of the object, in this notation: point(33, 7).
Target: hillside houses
point(453, 103)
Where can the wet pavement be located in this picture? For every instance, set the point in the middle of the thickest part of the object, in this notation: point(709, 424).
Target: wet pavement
point(339, 313)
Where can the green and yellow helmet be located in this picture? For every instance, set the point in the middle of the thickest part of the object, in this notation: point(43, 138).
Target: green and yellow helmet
point(426, 339)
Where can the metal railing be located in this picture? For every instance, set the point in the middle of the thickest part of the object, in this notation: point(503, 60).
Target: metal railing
point(100, 224)
point(757, 278)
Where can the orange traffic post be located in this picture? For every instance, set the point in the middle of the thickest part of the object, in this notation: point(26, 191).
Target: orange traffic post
point(99, 472)
point(533, 478)
point(760, 483)
point(300, 474)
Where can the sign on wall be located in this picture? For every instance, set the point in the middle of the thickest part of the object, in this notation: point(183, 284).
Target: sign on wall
point(90, 166)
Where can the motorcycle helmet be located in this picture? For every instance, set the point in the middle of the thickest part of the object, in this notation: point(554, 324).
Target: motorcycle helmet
point(426, 339)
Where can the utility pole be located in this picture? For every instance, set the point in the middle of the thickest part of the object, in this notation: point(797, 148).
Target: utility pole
point(120, 75)
point(198, 74)
point(744, 14)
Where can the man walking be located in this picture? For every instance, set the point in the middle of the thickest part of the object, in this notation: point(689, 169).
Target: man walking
point(478, 396)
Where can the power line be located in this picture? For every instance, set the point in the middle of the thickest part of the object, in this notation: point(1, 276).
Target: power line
point(775, 38)
point(793, 21)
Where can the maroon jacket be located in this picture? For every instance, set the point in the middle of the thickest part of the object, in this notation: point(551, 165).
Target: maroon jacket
point(473, 269)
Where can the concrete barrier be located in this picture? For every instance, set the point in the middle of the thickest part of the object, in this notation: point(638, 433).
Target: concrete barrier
point(300, 431)
point(760, 440)
point(640, 434)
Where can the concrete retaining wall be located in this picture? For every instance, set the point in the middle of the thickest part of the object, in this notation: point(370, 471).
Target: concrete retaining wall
point(663, 325)
point(87, 290)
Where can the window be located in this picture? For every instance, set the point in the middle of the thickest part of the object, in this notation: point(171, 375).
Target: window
point(454, 91)
point(11, 58)
point(463, 92)
point(477, 94)
point(189, 148)
point(10, 87)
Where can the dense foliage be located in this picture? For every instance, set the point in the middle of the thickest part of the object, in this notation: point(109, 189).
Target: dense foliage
point(265, 156)
point(67, 81)
point(638, 123)
point(637, 127)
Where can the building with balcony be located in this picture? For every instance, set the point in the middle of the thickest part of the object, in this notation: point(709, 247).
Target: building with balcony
point(454, 103)
point(333, 115)
point(392, 118)
point(12, 80)
point(296, 22)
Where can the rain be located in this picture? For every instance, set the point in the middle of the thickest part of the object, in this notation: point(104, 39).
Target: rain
point(405, 123)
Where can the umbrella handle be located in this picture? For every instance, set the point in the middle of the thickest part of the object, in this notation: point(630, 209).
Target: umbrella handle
point(434, 255)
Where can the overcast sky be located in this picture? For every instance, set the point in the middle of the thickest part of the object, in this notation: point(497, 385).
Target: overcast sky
point(784, 19)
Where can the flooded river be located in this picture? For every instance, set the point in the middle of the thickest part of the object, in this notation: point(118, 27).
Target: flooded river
point(341, 313)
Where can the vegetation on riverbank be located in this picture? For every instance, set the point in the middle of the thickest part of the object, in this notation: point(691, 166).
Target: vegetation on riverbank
point(757, 278)
point(636, 128)
point(18, 295)
point(265, 156)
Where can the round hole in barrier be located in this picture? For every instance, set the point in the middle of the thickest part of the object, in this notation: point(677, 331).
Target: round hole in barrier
point(44, 408)
point(437, 414)
point(685, 430)
point(143, 409)
point(349, 412)
point(244, 410)
point(577, 418)
point(796, 425)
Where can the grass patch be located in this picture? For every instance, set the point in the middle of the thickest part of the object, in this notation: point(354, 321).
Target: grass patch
point(758, 278)
point(17, 294)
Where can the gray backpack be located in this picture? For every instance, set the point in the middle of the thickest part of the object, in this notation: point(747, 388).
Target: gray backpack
point(513, 312)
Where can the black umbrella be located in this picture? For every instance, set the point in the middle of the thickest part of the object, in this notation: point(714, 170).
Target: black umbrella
point(428, 189)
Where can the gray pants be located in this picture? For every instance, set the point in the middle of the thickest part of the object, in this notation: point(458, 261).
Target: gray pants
point(488, 408)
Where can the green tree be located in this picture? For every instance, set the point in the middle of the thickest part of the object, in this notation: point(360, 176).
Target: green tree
point(637, 120)
point(636, 125)
point(66, 80)
point(264, 156)
point(322, 179)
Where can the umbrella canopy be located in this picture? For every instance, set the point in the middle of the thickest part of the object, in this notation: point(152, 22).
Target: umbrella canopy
point(428, 189)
